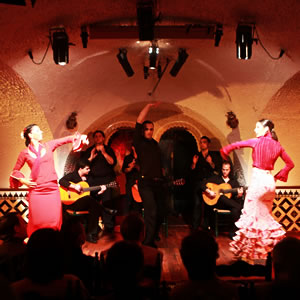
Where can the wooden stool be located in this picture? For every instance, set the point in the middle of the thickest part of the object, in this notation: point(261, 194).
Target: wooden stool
point(218, 212)
point(77, 212)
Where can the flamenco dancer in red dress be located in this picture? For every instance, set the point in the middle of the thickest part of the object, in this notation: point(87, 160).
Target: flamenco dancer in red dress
point(258, 231)
point(45, 208)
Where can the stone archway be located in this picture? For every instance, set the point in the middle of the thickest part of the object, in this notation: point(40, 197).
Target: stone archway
point(168, 116)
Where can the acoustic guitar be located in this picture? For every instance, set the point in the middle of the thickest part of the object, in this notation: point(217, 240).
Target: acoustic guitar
point(219, 189)
point(137, 197)
point(68, 196)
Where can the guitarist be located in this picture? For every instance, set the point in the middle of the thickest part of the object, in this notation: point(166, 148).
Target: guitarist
point(234, 204)
point(87, 202)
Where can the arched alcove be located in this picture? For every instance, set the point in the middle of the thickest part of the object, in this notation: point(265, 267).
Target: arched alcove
point(165, 117)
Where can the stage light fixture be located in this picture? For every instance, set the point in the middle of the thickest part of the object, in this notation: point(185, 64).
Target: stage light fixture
point(122, 57)
point(60, 46)
point(244, 41)
point(182, 56)
point(153, 53)
point(218, 35)
point(146, 72)
point(84, 36)
point(145, 20)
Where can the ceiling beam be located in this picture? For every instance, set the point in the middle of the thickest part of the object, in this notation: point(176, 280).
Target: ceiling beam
point(193, 31)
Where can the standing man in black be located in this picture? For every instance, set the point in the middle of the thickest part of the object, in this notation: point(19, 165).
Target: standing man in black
point(103, 160)
point(151, 181)
point(205, 164)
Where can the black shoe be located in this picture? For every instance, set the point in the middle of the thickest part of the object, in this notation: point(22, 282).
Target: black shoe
point(96, 235)
point(157, 238)
point(91, 239)
point(109, 230)
point(231, 235)
point(205, 228)
point(109, 211)
point(99, 229)
point(153, 245)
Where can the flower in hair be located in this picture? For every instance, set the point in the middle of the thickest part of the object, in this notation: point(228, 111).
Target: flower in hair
point(23, 133)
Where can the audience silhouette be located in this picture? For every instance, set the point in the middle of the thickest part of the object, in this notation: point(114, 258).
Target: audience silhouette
point(13, 231)
point(44, 266)
point(286, 266)
point(76, 262)
point(124, 269)
point(199, 252)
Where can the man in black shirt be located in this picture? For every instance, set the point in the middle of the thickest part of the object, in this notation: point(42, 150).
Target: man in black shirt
point(151, 181)
point(71, 182)
point(205, 164)
point(234, 203)
point(103, 160)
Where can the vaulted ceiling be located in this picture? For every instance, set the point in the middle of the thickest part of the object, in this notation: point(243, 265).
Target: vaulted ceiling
point(210, 83)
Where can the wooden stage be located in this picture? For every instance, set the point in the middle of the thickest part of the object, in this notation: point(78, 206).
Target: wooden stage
point(173, 270)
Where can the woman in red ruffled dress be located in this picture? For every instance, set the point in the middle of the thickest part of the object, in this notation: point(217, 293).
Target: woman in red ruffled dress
point(258, 231)
point(45, 209)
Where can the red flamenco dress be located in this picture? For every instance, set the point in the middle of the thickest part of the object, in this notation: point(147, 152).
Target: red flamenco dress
point(258, 231)
point(45, 208)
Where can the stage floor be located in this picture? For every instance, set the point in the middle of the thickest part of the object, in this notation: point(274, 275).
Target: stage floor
point(173, 270)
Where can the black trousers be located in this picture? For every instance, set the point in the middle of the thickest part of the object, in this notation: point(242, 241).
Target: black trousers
point(198, 218)
point(92, 206)
point(153, 194)
point(106, 200)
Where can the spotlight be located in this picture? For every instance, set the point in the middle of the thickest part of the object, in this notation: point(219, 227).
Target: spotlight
point(244, 40)
point(60, 46)
point(218, 35)
point(146, 72)
point(182, 56)
point(153, 53)
point(145, 20)
point(122, 57)
point(84, 36)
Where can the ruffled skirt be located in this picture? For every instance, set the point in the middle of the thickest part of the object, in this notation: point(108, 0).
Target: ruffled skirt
point(258, 231)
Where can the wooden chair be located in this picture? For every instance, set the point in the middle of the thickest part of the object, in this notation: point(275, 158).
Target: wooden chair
point(77, 212)
point(219, 222)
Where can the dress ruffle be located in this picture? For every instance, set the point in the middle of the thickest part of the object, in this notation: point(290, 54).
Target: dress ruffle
point(256, 237)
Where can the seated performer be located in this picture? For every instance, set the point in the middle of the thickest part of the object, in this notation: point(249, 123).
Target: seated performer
point(224, 201)
point(205, 164)
point(71, 182)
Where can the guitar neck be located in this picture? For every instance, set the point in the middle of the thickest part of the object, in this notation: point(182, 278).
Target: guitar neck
point(231, 190)
point(92, 188)
point(98, 187)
